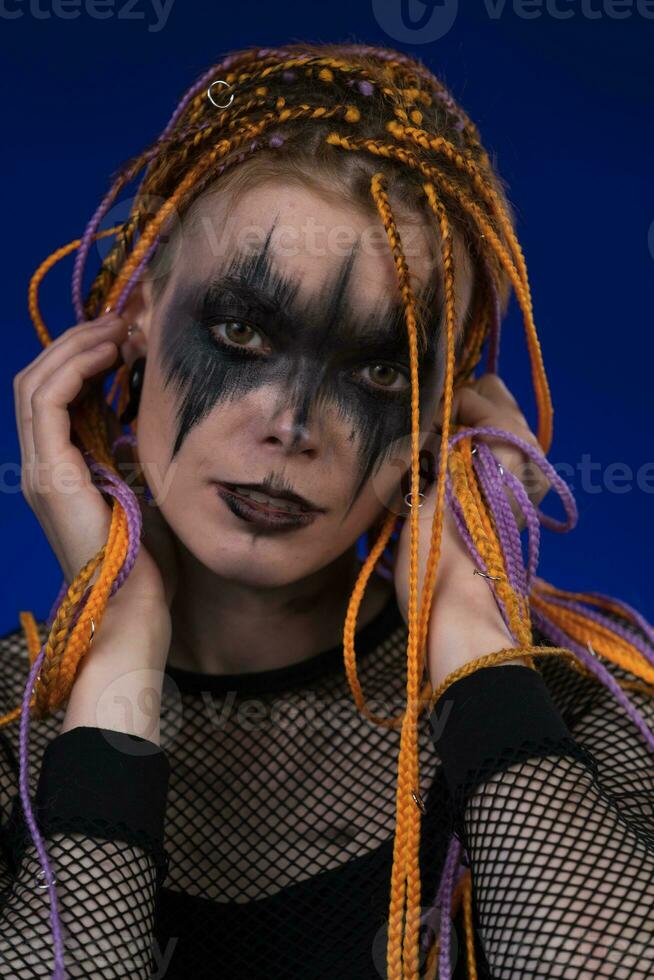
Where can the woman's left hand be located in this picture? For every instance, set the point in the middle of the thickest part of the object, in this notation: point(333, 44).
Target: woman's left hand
point(487, 402)
point(465, 622)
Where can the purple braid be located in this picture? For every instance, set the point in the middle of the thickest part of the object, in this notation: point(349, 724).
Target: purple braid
point(590, 659)
point(433, 917)
point(451, 871)
point(630, 612)
point(490, 477)
point(103, 207)
point(274, 140)
point(487, 468)
point(532, 524)
point(126, 498)
point(498, 505)
point(605, 621)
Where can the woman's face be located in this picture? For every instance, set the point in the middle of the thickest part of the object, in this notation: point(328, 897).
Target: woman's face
point(277, 353)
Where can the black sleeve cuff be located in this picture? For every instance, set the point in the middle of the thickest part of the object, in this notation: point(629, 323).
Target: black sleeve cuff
point(104, 777)
point(485, 722)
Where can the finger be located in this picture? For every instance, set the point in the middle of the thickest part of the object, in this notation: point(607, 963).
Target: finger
point(83, 336)
point(491, 386)
point(73, 331)
point(475, 409)
point(478, 412)
point(27, 381)
point(80, 337)
point(460, 394)
point(49, 418)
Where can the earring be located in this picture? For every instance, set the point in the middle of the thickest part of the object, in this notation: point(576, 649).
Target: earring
point(136, 373)
point(408, 502)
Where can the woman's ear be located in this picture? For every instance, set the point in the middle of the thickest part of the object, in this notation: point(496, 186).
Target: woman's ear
point(136, 312)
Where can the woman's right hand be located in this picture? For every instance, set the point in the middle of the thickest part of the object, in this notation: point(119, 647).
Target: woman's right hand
point(56, 482)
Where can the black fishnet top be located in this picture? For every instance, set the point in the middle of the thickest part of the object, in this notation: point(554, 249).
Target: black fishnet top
point(256, 842)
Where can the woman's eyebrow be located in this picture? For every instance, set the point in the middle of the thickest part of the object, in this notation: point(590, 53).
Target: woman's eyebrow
point(382, 330)
point(228, 287)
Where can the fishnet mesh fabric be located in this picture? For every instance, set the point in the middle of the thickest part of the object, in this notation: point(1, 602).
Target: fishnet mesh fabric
point(561, 847)
point(107, 923)
point(279, 833)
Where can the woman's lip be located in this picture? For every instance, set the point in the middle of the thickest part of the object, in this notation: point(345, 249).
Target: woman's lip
point(231, 488)
point(257, 513)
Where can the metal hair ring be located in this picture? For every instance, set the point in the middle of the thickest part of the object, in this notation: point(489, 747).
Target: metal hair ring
point(417, 799)
point(494, 578)
point(219, 81)
point(38, 676)
point(39, 874)
point(408, 502)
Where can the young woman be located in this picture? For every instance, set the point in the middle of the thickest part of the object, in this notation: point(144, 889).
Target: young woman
point(269, 736)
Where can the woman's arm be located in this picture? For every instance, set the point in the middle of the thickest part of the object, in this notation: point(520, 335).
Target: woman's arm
point(559, 827)
point(100, 805)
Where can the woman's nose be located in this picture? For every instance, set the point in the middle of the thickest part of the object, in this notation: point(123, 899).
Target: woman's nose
point(292, 433)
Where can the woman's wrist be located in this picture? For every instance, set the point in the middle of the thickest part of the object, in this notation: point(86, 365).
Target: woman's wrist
point(465, 621)
point(120, 679)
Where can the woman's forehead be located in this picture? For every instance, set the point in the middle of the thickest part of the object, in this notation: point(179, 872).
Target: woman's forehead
point(307, 252)
point(308, 234)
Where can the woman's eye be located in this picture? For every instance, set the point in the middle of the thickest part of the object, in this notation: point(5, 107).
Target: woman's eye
point(389, 377)
point(236, 333)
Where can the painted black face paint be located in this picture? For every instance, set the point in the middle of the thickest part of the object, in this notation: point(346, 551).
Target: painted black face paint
point(315, 352)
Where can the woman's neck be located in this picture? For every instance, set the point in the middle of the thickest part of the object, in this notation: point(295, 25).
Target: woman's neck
point(219, 627)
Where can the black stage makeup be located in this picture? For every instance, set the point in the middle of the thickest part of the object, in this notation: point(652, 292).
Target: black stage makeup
point(315, 352)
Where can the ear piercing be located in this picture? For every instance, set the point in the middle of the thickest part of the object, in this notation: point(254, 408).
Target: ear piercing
point(136, 373)
point(408, 502)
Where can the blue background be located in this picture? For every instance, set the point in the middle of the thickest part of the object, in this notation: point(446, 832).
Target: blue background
point(565, 104)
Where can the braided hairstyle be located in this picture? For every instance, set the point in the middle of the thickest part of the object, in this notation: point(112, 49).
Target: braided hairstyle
point(375, 127)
